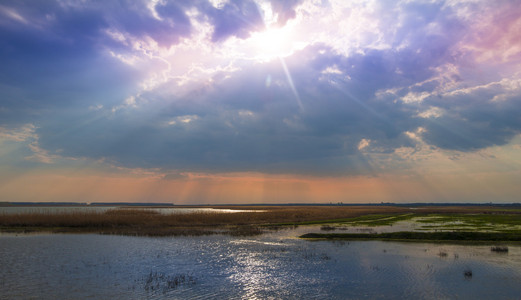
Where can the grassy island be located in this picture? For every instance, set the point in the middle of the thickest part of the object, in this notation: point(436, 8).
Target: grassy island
point(447, 236)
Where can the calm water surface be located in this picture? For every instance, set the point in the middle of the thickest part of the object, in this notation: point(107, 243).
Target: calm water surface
point(68, 209)
point(271, 266)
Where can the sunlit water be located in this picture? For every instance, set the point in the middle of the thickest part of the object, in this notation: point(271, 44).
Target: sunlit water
point(68, 209)
point(275, 265)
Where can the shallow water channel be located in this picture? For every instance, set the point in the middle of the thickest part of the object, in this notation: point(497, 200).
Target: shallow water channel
point(275, 265)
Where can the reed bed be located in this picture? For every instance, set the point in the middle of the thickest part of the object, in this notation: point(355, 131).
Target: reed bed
point(117, 217)
point(149, 222)
point(501, 249)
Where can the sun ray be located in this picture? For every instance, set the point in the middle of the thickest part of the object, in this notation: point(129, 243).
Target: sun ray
point(291, 84)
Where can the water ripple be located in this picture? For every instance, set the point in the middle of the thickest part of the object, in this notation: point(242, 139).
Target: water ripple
point(271, 266)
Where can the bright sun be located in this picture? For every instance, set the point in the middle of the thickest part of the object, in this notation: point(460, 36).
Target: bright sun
point(271, 43)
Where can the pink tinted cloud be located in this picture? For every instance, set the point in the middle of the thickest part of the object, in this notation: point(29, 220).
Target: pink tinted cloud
point(495, 34)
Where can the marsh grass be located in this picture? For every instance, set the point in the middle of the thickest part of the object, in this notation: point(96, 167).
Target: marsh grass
point(443, 253)
point(500, 249)
point(476, 220)
point(157, 281)
point(133, 221)
point(152, 223)
point(379, 219)
point(504, 222)
point(327, 228)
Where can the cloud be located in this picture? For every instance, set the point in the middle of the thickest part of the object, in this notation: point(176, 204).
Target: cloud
point(493, 31)
point(285, 10)
point(175, 176)
point(18, 134)
point(55, 60)
point(165, 23)
point(246, 125)
point(26, 135)
point(236, 18)
point(476, 118)
point(76, 70)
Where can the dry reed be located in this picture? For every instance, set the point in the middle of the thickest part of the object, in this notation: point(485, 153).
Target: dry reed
point(149, 222)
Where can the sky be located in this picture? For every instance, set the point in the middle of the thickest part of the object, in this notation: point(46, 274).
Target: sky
point(260, 101)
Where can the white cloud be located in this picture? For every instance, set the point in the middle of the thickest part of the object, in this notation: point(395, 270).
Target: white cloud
point(245, 113)
point(218, 3)
point(129, 102)
point(13, 14)
point(431, 112)
point(332, 70)
point(186, 119)
point(39, 154)
point(20, 134)
point(416, 135)
point(364, 143)
point(24, 134)
point(415, 97)
point(96, 107)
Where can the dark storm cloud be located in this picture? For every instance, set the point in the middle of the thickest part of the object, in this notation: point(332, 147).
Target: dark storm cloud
point(55, 56)
point(474, 119)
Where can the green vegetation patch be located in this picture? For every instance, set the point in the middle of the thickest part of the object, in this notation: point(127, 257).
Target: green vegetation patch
point(365, 220)
point(471, 222)
point(500, 222)
point(473, 219)
point(373, 220)
point(379, 220)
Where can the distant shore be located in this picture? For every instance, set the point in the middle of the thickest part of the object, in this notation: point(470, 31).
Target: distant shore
point(333, 204)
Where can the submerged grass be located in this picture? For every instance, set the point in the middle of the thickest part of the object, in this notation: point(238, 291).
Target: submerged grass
point(474, 219)
point(503, 249)
point(161, 282)
point(496, 222)
point(379, 219)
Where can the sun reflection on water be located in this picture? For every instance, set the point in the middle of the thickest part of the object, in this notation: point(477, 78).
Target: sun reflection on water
point(274, 265)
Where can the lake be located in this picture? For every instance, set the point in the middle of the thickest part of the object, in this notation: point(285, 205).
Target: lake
point(275, 265)
point(68, 209)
